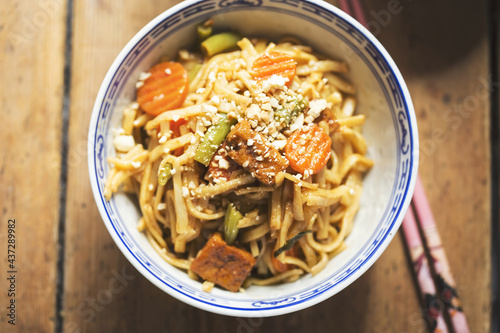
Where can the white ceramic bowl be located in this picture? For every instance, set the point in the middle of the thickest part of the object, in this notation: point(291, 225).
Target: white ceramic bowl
point(390, 130)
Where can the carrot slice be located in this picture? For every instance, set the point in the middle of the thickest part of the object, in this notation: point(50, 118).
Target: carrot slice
point(274, 63)
point(165, 89)
point(308, 149)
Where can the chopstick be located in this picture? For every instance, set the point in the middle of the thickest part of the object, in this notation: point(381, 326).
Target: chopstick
point(429, 241)
point(422, 272)
point(445, 281)
point(355, 9)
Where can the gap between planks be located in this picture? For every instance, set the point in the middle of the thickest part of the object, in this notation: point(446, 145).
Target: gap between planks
point(494, 26)
point(58, 327)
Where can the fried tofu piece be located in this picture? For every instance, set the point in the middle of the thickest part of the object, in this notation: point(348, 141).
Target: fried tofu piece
point(329, 117)
point(248, 148)
point(221, 166)
point(222, 264)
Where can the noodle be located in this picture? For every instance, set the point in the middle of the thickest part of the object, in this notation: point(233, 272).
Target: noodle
point(184, 201)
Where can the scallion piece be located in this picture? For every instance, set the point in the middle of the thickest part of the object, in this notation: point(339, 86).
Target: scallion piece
point(290, 243)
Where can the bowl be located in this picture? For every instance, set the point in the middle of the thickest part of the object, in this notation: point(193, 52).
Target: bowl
point(390, 130)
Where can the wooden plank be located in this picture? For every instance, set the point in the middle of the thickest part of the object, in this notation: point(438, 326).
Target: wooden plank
point(495, 141)
point(31, 63)
point(100, 30)
point(445, 64)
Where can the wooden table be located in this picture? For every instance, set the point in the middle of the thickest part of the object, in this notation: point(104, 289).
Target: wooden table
point(54, 55)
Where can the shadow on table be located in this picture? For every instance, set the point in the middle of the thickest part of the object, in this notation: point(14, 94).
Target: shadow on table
point(428, 36)
point(343, 312)
point(157, 311)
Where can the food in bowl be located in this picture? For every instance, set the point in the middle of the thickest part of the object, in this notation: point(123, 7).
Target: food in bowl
point(390, 130)
point(247, 160)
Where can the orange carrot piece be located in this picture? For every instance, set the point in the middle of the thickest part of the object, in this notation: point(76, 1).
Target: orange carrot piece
point(308, 149)
point(176, 132)
point(165, 89)
point(274, 63)
point(278, 265)
point(282, 267)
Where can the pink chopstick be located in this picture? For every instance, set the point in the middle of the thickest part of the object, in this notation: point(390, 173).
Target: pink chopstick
point(344, 5)
point(445, 282)
point(359, 13)
point(444, 278)
point(421, 269)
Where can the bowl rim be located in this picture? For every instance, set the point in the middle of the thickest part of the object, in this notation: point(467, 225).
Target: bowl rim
point(264, 312)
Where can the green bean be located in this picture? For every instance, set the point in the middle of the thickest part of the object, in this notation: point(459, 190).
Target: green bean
point(219, 43)
point(284, 116)
point(231, 223)
point(164, 174)
point(213, 138)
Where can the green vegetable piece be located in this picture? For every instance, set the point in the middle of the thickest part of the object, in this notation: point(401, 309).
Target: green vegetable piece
point(219, 43)
point(193, 71)
point(204, 31)
point(164, 174)
point(290, 243)
point(212, 140)
point(231, 223)
point(284, 116)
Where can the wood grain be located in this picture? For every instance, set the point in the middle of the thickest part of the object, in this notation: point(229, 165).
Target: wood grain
point(384, 299)
point(31, 63)
point(100, 30)
point(445, 64)
point(495, 142)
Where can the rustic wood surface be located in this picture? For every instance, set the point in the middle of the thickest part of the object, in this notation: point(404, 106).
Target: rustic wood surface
point(445, 64)
point(31, 95)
